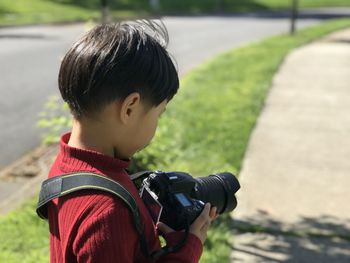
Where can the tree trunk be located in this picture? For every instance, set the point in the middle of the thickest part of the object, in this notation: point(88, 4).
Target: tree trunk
point(155, 5)
point(105, 11)
point(294, 16)
point(221, 5)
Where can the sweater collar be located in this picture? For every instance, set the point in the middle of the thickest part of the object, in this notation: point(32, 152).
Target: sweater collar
point(88, 160)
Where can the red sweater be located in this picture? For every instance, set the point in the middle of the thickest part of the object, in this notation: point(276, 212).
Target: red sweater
point(94, 226)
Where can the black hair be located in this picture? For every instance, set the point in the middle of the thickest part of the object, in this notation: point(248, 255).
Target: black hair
point(114, 60)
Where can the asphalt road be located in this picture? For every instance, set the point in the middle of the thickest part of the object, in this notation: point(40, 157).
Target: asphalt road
point(30, 57)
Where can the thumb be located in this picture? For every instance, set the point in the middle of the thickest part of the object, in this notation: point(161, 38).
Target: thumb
point(164, 228)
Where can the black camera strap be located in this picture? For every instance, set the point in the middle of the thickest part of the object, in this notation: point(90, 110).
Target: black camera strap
point(68, 183)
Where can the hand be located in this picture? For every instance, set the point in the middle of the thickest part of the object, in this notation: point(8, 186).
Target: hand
point(200, 226)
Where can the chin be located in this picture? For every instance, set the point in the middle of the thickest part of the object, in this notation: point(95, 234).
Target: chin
point(140, 148)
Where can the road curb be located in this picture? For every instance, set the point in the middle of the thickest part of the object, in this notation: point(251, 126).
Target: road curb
point(25, 176)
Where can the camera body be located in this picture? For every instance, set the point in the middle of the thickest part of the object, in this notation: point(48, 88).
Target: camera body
point(182, 197)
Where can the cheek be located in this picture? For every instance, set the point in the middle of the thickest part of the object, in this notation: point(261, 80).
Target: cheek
point(150, 132)
point(145, 133)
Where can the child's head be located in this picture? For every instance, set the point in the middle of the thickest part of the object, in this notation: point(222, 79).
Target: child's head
point(112, 61)
point(120, 69)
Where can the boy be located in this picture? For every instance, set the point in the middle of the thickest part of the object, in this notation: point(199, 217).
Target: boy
point(117, 81)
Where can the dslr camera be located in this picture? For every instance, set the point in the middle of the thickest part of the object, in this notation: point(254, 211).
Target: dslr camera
point(177, 199)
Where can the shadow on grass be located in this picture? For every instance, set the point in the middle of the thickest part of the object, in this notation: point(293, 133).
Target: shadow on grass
point(113, 4)
point(268, 14)
point(202, 6)
point(242, 5)
point(23, 36)
point(171, 7)
point(4, 11)
point(88, 4)
point(323, 239)
point(304, 14)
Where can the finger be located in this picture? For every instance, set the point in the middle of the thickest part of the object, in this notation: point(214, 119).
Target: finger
point(165, 229)
point(207, 224)
point(212, 212)
point(203, 217)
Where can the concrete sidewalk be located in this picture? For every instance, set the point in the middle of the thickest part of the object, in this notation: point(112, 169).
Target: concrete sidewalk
point(294, 204)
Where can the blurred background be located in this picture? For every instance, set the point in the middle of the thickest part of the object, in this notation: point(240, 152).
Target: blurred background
point(227, 53)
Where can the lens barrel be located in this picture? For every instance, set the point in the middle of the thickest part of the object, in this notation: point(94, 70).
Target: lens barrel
point(219, 190)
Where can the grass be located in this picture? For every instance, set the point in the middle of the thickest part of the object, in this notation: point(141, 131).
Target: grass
point(278, 4)
point(24, 237)
point(206, 129)
point(199, 6)
point(21, 12)
point(40, 11)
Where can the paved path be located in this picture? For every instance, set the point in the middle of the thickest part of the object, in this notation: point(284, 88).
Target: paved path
point(296, 173)
point(30, 58)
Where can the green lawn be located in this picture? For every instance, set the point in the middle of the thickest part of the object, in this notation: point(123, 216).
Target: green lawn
point(205, 129)
point(283, 4)
point(39, 11)
point(48, 11)
point(24, 237)
point(44, 11)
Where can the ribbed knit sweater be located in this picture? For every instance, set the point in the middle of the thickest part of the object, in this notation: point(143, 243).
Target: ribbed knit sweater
point(95, 226)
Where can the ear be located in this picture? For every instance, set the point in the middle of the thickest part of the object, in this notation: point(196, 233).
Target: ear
point(129, 106)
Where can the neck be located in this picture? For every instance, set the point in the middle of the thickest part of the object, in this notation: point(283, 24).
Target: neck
point(91, 136)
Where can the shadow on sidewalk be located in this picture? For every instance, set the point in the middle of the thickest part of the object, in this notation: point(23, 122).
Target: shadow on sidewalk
point(341, 40)
point(323, 239)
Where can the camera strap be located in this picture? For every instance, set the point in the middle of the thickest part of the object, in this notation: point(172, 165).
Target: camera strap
point(68, 183)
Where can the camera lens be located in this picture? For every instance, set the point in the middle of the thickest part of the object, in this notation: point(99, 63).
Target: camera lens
point(219, 190)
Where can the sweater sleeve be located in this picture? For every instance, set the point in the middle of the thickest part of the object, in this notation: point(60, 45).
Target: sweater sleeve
point(106, 238)
point(189, 253)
